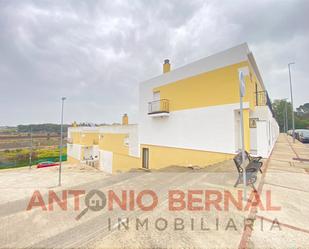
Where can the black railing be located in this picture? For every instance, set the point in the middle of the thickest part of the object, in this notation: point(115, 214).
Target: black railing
point(262, 99)
point(158, 106)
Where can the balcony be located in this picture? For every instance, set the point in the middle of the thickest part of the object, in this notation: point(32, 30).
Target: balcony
point(158, 108)
point(262, 99)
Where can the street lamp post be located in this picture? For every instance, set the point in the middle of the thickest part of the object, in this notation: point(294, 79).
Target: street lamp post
point(284, 123)
point(291, 91)
point(30, 154)
point(61, 140)
point(285, 116)
point(242, 90)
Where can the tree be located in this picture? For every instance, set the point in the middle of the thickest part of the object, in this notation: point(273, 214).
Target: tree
point(41, 128)
point(301, 115)
point(303, 110)
point(280, 113)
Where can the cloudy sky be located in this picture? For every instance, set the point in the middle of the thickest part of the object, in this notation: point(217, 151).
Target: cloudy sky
point(96, 52)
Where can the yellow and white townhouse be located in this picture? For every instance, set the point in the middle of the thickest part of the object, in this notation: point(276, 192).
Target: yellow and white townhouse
point(110, 148)
point(190, 115)
point(187, 116)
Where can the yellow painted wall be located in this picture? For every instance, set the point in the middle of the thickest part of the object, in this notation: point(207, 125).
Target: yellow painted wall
point(72, 160)
point(114, 142)
point(254, 80)
point(85, 138)
point(125, 163)
point(76, 137)
point(250, 92)
point(217, 87)
point(161, 156)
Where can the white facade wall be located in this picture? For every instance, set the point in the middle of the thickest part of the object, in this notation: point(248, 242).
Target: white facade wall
point(253, 141)
point(262, 138)
point(267, 130)
point(82, 129)
point(106, 161)
point(91, 151)
point(74, 150)
point(134, 148)
point(213, 128)
point(209, 129)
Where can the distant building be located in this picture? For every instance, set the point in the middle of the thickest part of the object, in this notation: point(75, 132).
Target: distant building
point(111, 148)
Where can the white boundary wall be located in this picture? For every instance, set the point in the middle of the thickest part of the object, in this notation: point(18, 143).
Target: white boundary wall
point(89, 151)
point(74, 150)
point(106, 161)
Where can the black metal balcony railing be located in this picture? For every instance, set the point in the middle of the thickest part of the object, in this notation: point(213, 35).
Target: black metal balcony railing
point(262, 99)
point(158, 106)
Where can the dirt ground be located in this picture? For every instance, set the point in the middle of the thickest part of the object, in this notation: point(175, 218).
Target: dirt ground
point(198, 222)
point(20, 183)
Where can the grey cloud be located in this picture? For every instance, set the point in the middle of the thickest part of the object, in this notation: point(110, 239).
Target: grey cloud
point(97, 52)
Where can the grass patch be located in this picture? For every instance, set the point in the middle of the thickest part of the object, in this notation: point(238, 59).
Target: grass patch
point(20, 157)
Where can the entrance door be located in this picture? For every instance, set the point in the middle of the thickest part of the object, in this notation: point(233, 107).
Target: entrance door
point(156, 96)
point(156, 104)
point(145, 158)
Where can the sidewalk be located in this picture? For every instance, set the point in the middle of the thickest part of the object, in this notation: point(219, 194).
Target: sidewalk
point(287, 179)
